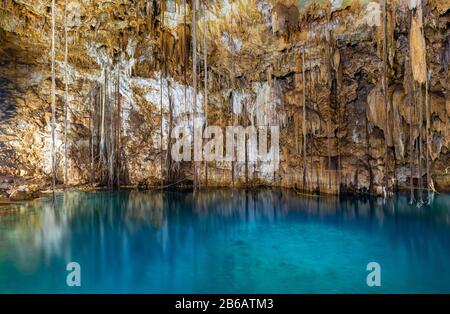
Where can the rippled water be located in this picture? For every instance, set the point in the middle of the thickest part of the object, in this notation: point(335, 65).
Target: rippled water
point(269, 241)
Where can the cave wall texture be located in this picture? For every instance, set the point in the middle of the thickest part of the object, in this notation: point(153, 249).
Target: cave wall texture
point(265, 60)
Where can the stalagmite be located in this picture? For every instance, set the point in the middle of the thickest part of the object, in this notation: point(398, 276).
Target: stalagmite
point(53, 104)
point(66, 95)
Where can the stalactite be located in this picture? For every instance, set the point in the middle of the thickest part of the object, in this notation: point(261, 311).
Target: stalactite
point(162, 70)
point(66, 95)
point(343, 146)
point(111, 145)
point(420, 153)
point(91, 132)
point(304, 118)
point(339, 118)
point(233, 164)
point(296, 128)
point(411, 150)
point(194, 83)
point(417, 48)
point(314, 102)
point(102, 126)
point(53, 104)
point(330, 86)
point(368, 153)
point(246, 161)
point(271, 84)
point(311, 134)
point(232, 86)
point(185, 57)
point(205, 56)
point(430, 184)
point(409, 83)
point(385, 94)
point(118, 131)
point(169, 140)
point(416, 144)
point(427, 135)
point(411, 145)
point(97, 126)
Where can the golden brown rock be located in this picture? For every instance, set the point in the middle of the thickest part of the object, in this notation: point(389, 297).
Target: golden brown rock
point(117, 50)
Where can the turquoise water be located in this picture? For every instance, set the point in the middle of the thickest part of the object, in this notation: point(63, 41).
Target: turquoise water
point(269, 241)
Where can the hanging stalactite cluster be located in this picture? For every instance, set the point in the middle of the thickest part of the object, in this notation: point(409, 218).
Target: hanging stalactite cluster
point(361, 106)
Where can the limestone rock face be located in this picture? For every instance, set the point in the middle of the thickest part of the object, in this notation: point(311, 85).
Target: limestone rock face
point(417, 48)
point(443, 6)
point(129, 75)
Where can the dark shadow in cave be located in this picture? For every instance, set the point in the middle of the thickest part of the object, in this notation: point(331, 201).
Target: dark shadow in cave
point(7, 105)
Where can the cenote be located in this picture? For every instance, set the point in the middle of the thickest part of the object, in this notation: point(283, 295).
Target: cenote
point(224, 241)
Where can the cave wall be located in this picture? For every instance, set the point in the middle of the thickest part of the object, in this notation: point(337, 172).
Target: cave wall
point(257, 54)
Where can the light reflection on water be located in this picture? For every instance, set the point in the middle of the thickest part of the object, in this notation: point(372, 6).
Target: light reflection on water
point(268, 241)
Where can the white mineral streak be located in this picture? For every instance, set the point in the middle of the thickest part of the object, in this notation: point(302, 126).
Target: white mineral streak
point(233, 45)
point(414, 4)
point(174, 14)
point(268, 106)
point(125, 67)
point(263, 107)
point(44, 139)
point(241, 100)
point(322, 29)
point(336, 5)
point(228, 8)
point(371, 15)
point(180, 111)
point(265, 8)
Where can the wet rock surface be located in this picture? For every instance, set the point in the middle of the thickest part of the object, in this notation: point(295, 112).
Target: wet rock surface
point(267, 61)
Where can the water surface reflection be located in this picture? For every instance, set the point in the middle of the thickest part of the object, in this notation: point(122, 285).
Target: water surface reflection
point(223, 241)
